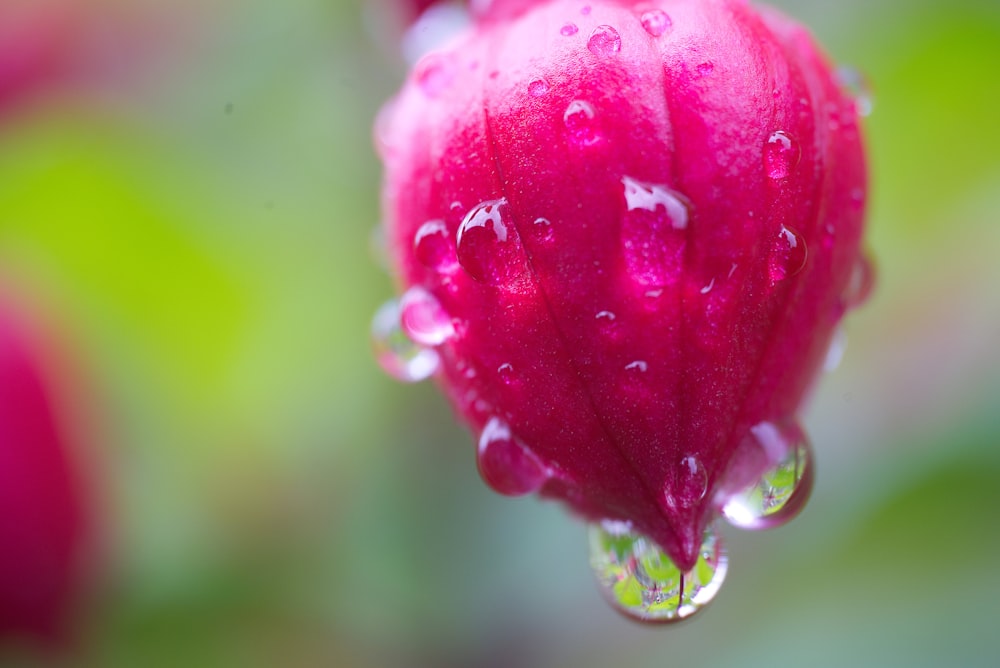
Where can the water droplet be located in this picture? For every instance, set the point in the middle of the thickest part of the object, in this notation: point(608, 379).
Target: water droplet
point(435, 73)
point(641, 581)
point(585, 10)
point(708, 288)
point(505, 464)
point(861, 283)
point(653, 231)
point(538, 87)
point(788, 255)
point(656, 22)
point(705, 68)
point(688, 486)
point(606, 316)
point(781, 155)
point(506, 373)
point(637, 365)
point(835, 353)
point(397, 354)
point(433, 248)
point(488, 247)
point(604, 41)
point(543, 231)
point(579, 120)
point(423, 318)
point(857, 86)
point(781, 492)
point(568, 30)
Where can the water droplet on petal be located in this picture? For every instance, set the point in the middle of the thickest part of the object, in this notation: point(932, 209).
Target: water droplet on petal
point(543, 231)
point(782, 491)
point(397, 354)
point(788, 255)
point(538, 87)
point(488, 247)
point(688, 486)
point(435, 73)
point(568, 29)
point(835, 353)
point(637, 365)
point(652, 233)
point(423, 318)
point(640, 580)
point(579, 120)
point(857, 86)
point(607, 316)
point(604, 41)
point(506, 373)
point(433, 248)
point(781, 155)
point(655, 22)
point(861, 283)
point(506, 464)
point(705, 68)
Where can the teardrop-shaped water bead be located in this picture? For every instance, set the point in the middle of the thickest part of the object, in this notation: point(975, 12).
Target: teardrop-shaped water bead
point(782, 491)
point(506, 464)
point(423, 318)
point(488, 246)
point(398, 354)
point(639, 579)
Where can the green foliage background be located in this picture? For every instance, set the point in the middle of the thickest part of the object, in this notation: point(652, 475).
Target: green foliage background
point(200, 220)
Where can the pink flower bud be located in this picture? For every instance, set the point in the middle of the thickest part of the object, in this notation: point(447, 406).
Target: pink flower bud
point(627, 232)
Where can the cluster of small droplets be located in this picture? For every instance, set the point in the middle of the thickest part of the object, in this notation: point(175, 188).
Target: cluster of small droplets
point(640, 581)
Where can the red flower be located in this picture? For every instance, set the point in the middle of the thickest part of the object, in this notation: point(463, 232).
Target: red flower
point(626, 232)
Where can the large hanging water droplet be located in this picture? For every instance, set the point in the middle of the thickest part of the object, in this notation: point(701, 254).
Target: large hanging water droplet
point(579, 121)
point(652, 232)
point(655, 22)
point(506, 464)
point(488, 246)
point(433, 248)
point(638, 579)
point(857, 86)
point(788, 255)
point(781, 155)
point(397, 354)
point(783, 490)
point(423, 318)
point(604, 41)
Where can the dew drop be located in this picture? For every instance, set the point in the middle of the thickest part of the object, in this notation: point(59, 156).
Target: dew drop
point(433, 248)
point(397, 354)
point(579, 120)
point(655, 22)
point(688, 486)
point(423, 318)
point(543, 231)
point(538, 87)
point(788, 255)
point(604, 41)
point(568, 30)
point(506, 373)
point(653, 231)
point(782, 491)
point(835, 353)
point(861, 283)
point(435, 73)
point(488, 247)
point(638, 579)
point(606, 316)
point(781, 155)
point(637, 365)
point(857, 86)
point(506, 464)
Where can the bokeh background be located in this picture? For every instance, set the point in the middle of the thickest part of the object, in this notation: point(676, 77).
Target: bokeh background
point(189, 190)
